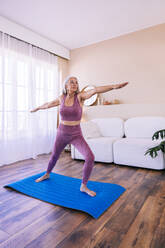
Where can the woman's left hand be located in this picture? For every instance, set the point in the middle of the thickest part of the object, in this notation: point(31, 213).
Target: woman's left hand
point(117, 86)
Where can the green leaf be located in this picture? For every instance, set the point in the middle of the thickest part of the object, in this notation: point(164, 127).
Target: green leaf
point(161, 147)
point(160, 133)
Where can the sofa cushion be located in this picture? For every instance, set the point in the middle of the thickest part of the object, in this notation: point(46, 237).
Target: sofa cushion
point(143, 127)
point(90, 129)
point(110, 127)
point(101, 147)
point(130, 151)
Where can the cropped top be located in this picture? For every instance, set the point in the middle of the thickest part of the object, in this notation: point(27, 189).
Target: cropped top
point(71, 113)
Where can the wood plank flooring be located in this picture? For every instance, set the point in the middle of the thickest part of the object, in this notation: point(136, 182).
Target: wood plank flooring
point(136, 219)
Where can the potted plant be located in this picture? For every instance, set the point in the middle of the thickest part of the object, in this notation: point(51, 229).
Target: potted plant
point(161, 147)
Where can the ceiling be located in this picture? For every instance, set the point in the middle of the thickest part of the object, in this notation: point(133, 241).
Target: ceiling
point(78, 23)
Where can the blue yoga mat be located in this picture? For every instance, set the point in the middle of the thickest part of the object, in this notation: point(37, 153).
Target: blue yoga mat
point(65, 191)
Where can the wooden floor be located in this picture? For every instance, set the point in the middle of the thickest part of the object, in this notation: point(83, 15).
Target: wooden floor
point(136, 219)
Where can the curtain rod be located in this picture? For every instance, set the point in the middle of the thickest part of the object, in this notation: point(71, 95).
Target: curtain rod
point(33, 45)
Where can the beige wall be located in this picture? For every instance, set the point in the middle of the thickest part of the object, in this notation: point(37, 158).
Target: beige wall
point(63, 66)
point(138, 57)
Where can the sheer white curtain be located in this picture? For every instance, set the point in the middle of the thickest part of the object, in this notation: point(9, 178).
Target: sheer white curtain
point(28, 78)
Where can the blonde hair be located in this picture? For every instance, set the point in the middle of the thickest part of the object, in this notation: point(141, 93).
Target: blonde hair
point(64, 91)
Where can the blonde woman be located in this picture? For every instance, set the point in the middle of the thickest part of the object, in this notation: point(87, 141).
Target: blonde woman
point(69, 130)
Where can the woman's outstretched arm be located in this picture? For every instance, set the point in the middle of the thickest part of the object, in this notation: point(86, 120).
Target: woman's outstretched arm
point(47, 105)
point(101, 89)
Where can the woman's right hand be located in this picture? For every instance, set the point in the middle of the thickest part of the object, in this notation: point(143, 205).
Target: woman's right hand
point(34, 110)
point(118, 86)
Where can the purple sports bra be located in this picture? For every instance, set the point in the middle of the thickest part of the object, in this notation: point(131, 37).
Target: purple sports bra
point(71, 113)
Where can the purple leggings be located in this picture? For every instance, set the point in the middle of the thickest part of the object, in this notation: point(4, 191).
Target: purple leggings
point(72, 135)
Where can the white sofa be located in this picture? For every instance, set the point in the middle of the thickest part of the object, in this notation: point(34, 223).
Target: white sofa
point(114, 140)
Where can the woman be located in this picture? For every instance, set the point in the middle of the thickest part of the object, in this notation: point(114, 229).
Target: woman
point(69, 130)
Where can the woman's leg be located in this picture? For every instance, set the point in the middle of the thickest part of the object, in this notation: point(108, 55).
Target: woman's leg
point(60, 142)
point(82, 146)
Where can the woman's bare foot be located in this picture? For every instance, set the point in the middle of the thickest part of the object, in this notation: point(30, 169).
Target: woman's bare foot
point(84, 188)
point(44, 177)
